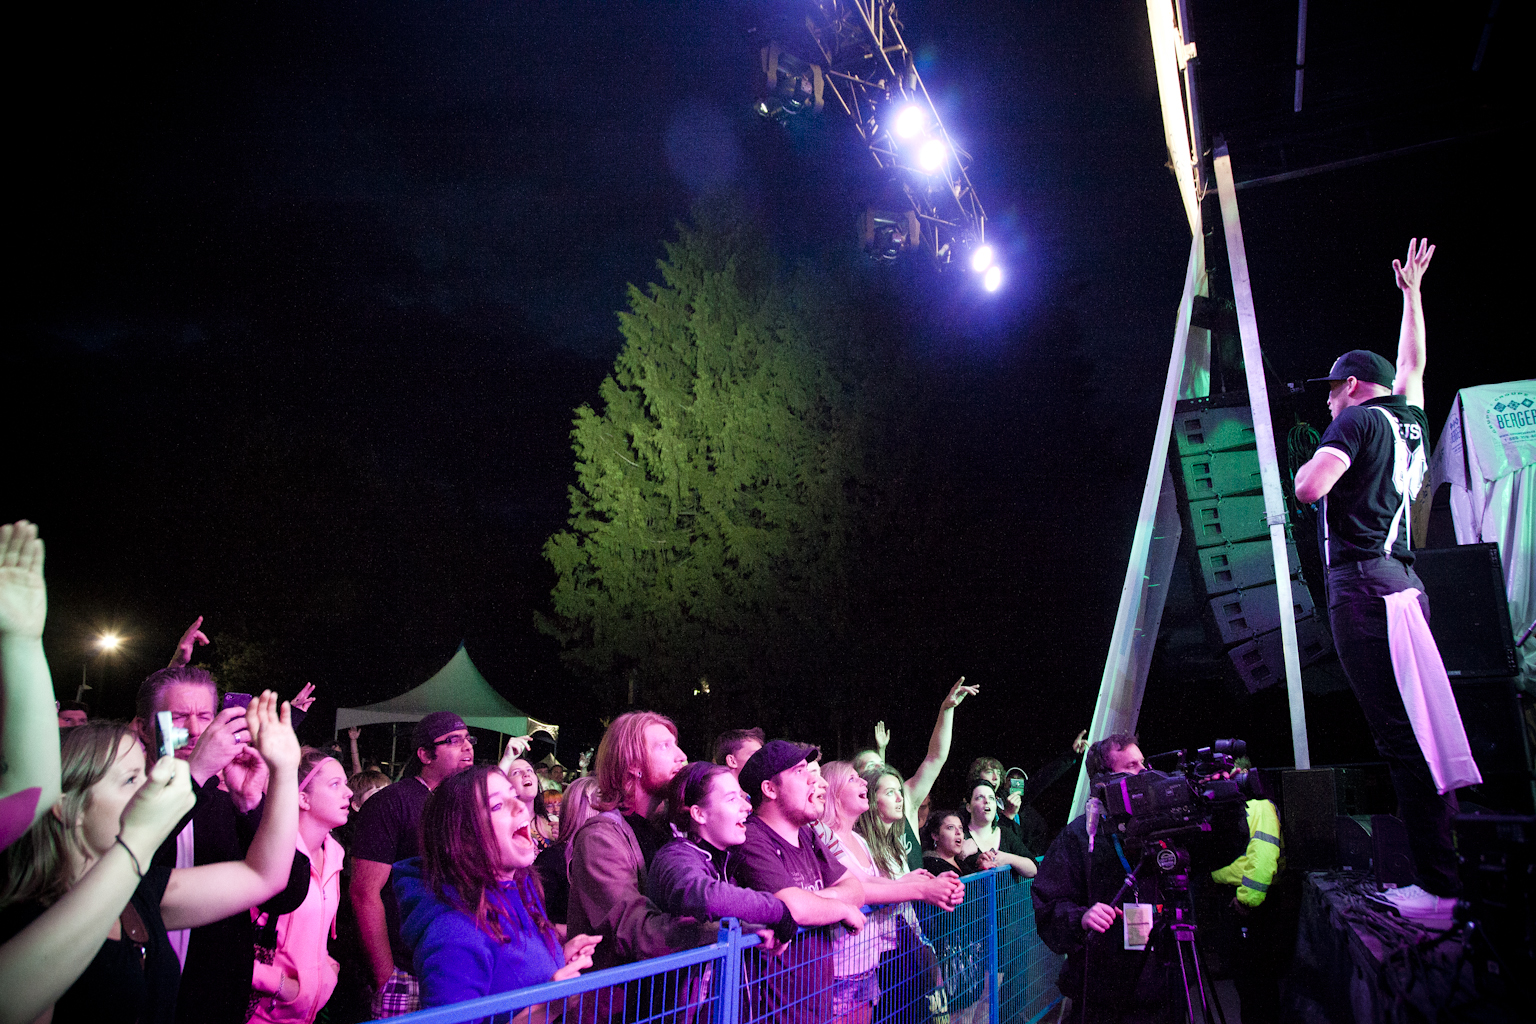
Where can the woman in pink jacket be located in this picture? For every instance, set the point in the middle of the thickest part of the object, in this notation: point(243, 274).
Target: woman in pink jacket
point(302, 975)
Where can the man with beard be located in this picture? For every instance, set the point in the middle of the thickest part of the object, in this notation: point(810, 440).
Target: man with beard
point(782, 855)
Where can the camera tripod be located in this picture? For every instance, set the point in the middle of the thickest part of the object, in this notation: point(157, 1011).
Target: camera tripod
point(1173, 862)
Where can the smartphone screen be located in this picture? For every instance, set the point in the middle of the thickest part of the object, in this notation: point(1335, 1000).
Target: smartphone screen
point(237, 700)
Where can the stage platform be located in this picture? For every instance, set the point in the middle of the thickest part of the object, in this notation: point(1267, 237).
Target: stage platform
point(1357, 962)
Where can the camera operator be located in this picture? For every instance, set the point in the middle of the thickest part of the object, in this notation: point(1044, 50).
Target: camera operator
point(1074, 896)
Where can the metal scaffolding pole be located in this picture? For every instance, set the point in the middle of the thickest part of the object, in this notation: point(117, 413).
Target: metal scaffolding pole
point(1264, 437)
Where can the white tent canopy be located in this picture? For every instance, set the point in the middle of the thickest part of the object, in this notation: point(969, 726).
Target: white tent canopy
point(458, 687)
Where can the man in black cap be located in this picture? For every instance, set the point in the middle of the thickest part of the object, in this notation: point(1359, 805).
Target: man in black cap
point(1368, 468)
point(782, 855)
point(387, 831)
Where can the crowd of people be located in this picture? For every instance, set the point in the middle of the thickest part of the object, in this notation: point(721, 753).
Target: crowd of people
point(197, 864)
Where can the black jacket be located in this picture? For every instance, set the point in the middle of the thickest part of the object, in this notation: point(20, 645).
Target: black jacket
point(216, 981)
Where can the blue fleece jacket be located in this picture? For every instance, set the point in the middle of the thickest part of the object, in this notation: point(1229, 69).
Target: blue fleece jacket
point(454, 959)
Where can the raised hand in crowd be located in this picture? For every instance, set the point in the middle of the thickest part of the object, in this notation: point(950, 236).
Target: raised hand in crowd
point(29, 744)
point(517, 746)
point(306, 698)
point(193, 637)
point(882, 739)
point(246, 778)
point(1080, 744)
point(219, 744)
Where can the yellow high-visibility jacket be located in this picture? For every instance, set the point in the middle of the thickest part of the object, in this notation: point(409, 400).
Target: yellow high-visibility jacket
point(1253, 872)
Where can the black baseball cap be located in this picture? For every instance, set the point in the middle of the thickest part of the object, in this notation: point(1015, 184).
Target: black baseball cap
point(774, 757)
point(1361, 364)
point(431, 728)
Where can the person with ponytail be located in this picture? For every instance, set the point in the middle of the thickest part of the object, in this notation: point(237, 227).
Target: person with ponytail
point(687, 876)
point(301, 975)
point(472, 906)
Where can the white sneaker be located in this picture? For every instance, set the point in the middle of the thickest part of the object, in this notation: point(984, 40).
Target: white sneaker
point(1413, 903)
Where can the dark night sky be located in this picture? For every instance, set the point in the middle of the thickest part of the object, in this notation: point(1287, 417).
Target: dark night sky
point(306, 294)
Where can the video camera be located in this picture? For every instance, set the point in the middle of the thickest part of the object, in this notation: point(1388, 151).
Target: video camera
point(1154, 803)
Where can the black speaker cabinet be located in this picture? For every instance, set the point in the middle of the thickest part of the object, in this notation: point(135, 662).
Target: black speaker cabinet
point(1307, 819)
point(1468, 612)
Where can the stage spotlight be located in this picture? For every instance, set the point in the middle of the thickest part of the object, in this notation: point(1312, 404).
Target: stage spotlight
point(909, 122)
point(108, 641)
point(981, 259)
point(992, 280)
point(932, 156)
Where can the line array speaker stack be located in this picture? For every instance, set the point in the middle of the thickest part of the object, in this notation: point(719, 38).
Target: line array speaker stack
point(1221, 495)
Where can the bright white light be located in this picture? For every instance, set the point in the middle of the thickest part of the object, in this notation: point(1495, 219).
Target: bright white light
point(981, 259)
point(910, 121)
point(932, 156)
point(108, 641)
point(992, 280)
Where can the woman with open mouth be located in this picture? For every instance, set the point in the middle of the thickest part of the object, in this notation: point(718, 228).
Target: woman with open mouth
point(471, 906)
point(687, 877)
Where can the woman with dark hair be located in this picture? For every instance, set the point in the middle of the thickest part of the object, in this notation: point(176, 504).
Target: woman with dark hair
point(959, 939)
point(471, 906)
point(987, 843)
point(126, 970)
point(687, 877)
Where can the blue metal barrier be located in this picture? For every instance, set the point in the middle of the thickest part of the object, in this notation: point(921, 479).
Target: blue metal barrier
point(982, 963)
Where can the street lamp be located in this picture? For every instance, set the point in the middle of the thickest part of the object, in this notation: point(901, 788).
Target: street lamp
point(105, 643)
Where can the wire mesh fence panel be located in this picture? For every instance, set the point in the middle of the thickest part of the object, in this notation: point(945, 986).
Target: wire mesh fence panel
point(961, 939)
point(909, 964)
point(1028, 967)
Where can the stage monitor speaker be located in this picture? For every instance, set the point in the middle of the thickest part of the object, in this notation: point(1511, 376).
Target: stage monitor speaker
point(1245, 614)
point(1468, 611)
point(1229, 567)
point(1389, 840)
point(1261, 661)
point(1307, 819)
point(1228, 520)
point(1214, 424)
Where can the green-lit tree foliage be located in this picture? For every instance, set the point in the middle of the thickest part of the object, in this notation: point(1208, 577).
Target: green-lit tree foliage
point(716, 514)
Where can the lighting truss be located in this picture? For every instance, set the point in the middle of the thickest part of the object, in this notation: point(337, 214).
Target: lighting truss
point(871, 74)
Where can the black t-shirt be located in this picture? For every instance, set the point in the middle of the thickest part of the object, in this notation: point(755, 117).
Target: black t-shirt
point(389, 830)
point(116, 987)
point(1367, 514)
point(800, 982)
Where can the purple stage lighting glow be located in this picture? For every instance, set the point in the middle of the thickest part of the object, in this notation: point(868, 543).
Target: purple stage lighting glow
point(992, 280)
point(932, 156)
point(909, 121)
point(981, 259)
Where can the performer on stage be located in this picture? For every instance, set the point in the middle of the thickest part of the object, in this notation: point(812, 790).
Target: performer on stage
point(1367, 470)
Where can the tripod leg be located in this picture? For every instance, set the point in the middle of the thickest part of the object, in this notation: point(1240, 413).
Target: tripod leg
point(1200, 979)
point(1189, 1005)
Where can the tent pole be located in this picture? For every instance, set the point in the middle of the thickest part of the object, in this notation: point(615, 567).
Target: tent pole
point(394, 740)
point(1264, 437)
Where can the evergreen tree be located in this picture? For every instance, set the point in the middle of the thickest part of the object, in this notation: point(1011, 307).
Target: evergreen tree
point(715, 517)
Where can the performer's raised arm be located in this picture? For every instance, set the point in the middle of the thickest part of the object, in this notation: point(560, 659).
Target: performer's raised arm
point(1411, 354)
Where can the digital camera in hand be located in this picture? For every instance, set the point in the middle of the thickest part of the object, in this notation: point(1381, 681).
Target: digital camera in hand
point(1154, 803)
point(171, 738)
